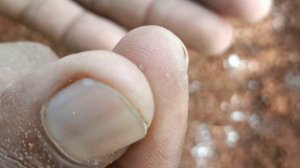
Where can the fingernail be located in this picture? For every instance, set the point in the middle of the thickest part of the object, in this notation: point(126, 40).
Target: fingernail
point(89, 120)
point(186, 56)
point(186, 64)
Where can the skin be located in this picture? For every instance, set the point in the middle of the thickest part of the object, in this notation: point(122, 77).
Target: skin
point(193, 21)
point(158, 52)
point(166, 73)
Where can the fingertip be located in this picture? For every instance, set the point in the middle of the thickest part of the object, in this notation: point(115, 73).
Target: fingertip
point(220, 41)
point(163, 60)
point(217, 39)
point(247, 10)
point(162, 42)
point(257, 10)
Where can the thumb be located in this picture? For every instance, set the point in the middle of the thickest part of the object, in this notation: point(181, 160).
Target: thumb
point(81, 111)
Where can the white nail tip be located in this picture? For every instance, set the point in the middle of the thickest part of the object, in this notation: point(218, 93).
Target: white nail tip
point(88, 120)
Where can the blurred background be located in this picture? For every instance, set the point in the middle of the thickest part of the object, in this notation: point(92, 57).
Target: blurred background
point(245, 104)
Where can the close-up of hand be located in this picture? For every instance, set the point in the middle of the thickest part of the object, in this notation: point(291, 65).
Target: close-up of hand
point(123, 101)
point(85, 109)
point(201, 24)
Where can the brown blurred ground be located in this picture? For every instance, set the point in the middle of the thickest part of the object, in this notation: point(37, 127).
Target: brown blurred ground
point(245, 104)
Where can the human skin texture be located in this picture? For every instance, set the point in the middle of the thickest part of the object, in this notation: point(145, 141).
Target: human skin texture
point(203, 25)
point(40, 91)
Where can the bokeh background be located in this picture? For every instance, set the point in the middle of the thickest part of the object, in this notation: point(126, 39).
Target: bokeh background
point(245, 104)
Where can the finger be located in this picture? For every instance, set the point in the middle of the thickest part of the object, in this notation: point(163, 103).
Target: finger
point(19, 59)
point(249, 10)
point(84, 109)
point(130, 13)
point(198, 27)
point(65, 22)
point(163, 59)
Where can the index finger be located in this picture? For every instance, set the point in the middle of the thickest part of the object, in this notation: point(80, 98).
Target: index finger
point(163, 59)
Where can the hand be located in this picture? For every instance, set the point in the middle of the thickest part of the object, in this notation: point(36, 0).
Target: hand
point(93, 105)
point(201, 24)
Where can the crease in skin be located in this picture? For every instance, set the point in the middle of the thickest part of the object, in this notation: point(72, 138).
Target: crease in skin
point(88, 3)
point(140, 21)
point(147, 12)
point(71, 24)
point(28, 15)
point(33, 4)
